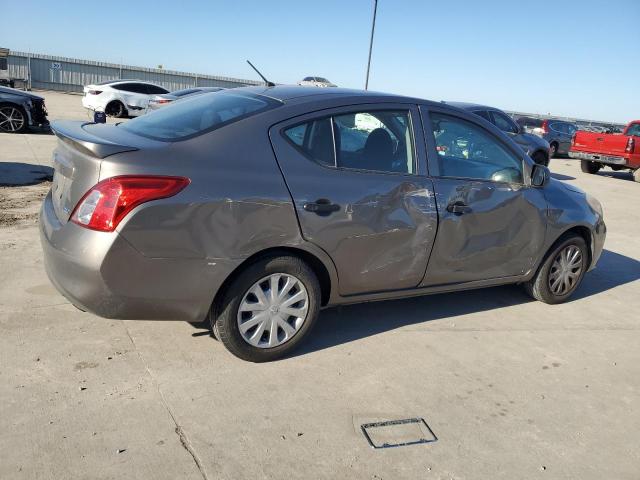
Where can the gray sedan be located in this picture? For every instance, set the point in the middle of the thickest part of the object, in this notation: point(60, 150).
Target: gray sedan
point(256, 207)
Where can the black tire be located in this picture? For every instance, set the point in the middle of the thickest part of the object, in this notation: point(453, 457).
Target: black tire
point(636, 175)
point(17, 114)
point(541, 158)
point(115, 109)
point(539, 285)
point(589, 167)
point(225, 322)
point(553, 150)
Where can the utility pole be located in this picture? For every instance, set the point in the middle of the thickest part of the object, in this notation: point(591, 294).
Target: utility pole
point(373, 28)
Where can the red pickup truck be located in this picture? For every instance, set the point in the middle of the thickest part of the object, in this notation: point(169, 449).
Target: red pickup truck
point(618, 151)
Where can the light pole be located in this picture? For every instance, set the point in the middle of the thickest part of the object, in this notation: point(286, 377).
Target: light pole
point(373, 28)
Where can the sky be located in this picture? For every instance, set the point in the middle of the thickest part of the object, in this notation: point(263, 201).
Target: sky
point(578, 58)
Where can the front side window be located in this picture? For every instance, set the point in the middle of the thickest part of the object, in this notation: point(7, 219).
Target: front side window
point(194, 116)
point(466, 150)
point(504, 123)
point(376, 140)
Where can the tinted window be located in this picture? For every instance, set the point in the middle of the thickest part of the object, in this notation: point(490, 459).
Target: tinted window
point(529, 122)
point(130, 87)
point(558, 127)
point(155, 90)
point(504, 123)
point(307, 79)
point(376, 140)
point(571, 128)
point(193, 116)
point(466, 150)
point(483, 113)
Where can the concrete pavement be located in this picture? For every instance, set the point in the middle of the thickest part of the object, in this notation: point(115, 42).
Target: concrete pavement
point(512, 388)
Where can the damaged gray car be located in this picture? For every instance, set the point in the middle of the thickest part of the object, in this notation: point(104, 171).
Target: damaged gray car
point(256, 207)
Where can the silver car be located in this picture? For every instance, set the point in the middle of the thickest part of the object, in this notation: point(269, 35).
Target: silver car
point(256, 207)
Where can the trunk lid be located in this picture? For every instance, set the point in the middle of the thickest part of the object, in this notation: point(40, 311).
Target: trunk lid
point(78, 157)
point(605, 143)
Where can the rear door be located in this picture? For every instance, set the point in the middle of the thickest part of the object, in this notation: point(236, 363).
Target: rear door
point(357, 178)
point(491, 224)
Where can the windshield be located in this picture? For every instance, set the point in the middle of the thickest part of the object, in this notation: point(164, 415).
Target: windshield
point(194, 116)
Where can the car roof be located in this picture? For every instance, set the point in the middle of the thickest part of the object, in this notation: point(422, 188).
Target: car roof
point(470, 106)
point(303, 94)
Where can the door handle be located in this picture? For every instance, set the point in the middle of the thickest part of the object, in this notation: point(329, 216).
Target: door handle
point(458, 208)
point(322, 207)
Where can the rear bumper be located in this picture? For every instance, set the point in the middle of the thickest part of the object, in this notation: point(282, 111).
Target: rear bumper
point(102, 273)
point(596, 157)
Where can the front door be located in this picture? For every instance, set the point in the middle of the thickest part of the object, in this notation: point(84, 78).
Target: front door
point(492, 225)
point(356, 176)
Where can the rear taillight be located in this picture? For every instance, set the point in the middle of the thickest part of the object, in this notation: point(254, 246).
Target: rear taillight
point(108, 202)
point(94, 92)
point(631, 143)
point(545, 126)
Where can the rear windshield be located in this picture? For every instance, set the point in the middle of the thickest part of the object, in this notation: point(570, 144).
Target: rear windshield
point(194, 116)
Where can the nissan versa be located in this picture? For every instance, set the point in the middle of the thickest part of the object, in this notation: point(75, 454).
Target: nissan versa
point(255, 207)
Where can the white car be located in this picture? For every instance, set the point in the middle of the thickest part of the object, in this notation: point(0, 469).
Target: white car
point(316, 82)
point(120, 98)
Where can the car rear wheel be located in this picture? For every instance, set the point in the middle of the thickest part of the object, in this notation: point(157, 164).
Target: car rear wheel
point(268, 309)
point(13, 119)
point(561, 272)
point(115, 109)
point(540, 158)
point(589, 167)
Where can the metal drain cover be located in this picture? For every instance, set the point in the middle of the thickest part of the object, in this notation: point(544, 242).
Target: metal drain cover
point(398, 433)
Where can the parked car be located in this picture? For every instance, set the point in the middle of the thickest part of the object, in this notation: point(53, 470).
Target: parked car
point(616, 151)
point(557, 132)
point(20, 110)
point(315, 82)
point(534, 146)
point(120, 98)
point(165, 99)
point(246, 207)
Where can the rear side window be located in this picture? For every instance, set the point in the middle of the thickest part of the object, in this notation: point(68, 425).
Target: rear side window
point(155, 90)
point(194, 116)
point(376, 140)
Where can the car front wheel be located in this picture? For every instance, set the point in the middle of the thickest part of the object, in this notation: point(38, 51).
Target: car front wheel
point(561, 272)
point(268, 309)
point(13, 119)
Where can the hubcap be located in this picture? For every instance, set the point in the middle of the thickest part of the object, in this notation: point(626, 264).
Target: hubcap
point(11, 119)
point(565, 270)
point(273, 310)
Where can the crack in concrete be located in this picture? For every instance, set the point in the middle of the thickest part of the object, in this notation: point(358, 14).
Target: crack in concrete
point(184, 439)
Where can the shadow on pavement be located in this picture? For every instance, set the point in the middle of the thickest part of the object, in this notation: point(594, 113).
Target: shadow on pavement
point(620, 175)
point(559, 176)
point(15, 174)
point(339, 325)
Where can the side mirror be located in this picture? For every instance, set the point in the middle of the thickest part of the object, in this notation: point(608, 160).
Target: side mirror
point(540, 175)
